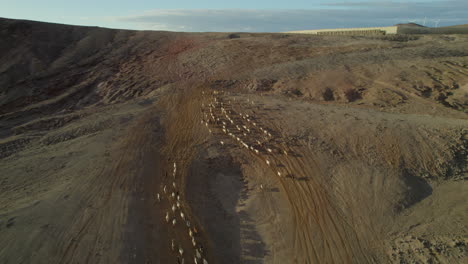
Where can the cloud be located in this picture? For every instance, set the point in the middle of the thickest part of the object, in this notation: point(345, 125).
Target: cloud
point(335, 15)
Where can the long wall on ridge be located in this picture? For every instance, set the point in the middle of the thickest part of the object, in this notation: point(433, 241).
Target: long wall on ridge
point(350, 31)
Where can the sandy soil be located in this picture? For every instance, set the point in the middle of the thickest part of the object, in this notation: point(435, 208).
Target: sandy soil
point(363, 159)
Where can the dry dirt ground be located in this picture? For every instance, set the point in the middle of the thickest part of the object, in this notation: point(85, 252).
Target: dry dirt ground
point(157, 147)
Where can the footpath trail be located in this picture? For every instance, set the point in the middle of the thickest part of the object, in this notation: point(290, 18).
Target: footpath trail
point(320, 234)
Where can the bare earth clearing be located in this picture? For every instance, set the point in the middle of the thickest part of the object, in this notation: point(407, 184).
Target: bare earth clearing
point(287, 148)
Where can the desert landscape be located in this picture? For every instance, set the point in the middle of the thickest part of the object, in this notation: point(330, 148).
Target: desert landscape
point(120, 146)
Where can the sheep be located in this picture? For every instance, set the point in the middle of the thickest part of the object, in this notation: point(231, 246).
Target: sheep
point(279, 174)
point(181, 251)
point(285, 152)
point(194, 243)
point(158, 197)
point(173, 195)
point(267, 162)
point(255, 124)
point(167, 217)
point(174, 185)
point(190, 233)
point(172, 244)
point(173, 208)
point(256, 151)
point(258, 142)
point(182, 216)
point(222, 143)
point(178, 204)
point(269, 150)
point(244, 134)
point(209, 130)
point(164, 189)
point(174, 222)
point(178, 198)
point(187, 223)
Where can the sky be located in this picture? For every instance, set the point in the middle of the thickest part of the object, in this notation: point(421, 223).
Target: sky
point(238, 15)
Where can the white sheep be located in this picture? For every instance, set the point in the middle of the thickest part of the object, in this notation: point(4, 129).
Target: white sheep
point(164, 189)
point(173, 208)
point(279, 174)
point(267, 162)
point(174, 185)
point(167, 217)
point(173, 195)
point(174, 222)
point(222, 143)
point(158, 197)
point(193, 242)
point(190, 233)
point(181, 251)
point(182, 216)
point(269, 150)
point(172, 244)
point(178, 204)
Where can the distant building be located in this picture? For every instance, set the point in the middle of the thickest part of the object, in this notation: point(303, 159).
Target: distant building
point(350, 31)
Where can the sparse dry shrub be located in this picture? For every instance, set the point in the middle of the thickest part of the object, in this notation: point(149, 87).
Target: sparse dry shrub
point(352, 95)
